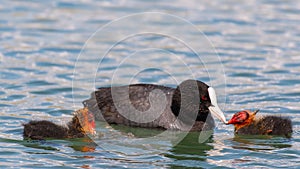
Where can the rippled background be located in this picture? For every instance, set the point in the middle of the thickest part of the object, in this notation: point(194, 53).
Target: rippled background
point(258, 67)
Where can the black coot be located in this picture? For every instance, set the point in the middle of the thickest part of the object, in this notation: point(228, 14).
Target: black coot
point(81, 125)
point(247, 123)
point(184, 108)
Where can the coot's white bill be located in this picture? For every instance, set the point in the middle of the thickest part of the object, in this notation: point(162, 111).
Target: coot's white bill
point(214, 108)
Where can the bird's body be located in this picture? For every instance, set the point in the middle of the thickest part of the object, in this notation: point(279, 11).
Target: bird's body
point(247, 123)
point(102, 100)
point(154, 106)
point(82, 124)
point(268, 125)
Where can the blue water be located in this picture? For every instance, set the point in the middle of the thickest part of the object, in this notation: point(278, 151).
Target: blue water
point(53, 54)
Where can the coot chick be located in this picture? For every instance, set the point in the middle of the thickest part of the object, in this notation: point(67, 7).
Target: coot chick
point(81, 125)
point(247, 123)
point(183, 108)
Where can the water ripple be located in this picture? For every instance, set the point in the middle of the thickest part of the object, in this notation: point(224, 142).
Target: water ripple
point(257, 44)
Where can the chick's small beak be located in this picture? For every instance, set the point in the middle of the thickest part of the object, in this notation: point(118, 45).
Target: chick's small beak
point(214, 108)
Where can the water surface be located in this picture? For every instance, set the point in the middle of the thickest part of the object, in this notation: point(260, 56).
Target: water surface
point(258, 68)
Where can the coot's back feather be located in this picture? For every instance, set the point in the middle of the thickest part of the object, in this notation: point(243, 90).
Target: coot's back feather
point(44, 129)
point(102, 103)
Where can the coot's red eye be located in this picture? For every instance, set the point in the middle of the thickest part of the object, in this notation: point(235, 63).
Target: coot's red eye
point(203, 97)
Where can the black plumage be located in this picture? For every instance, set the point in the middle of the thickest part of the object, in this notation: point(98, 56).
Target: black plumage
point(268, 125)
point(81, 124)
point(154, 106)
point(248, 123)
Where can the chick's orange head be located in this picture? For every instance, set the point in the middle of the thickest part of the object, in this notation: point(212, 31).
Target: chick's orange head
point(87, 121)
point(239, 117)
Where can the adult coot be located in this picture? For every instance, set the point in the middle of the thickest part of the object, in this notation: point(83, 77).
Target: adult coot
point(247, 123)
point(81, 125)
point(185, 107)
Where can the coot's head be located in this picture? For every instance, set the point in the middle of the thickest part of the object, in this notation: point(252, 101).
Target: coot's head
point(84, 121)
point(195, 96)
point(242, 118)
